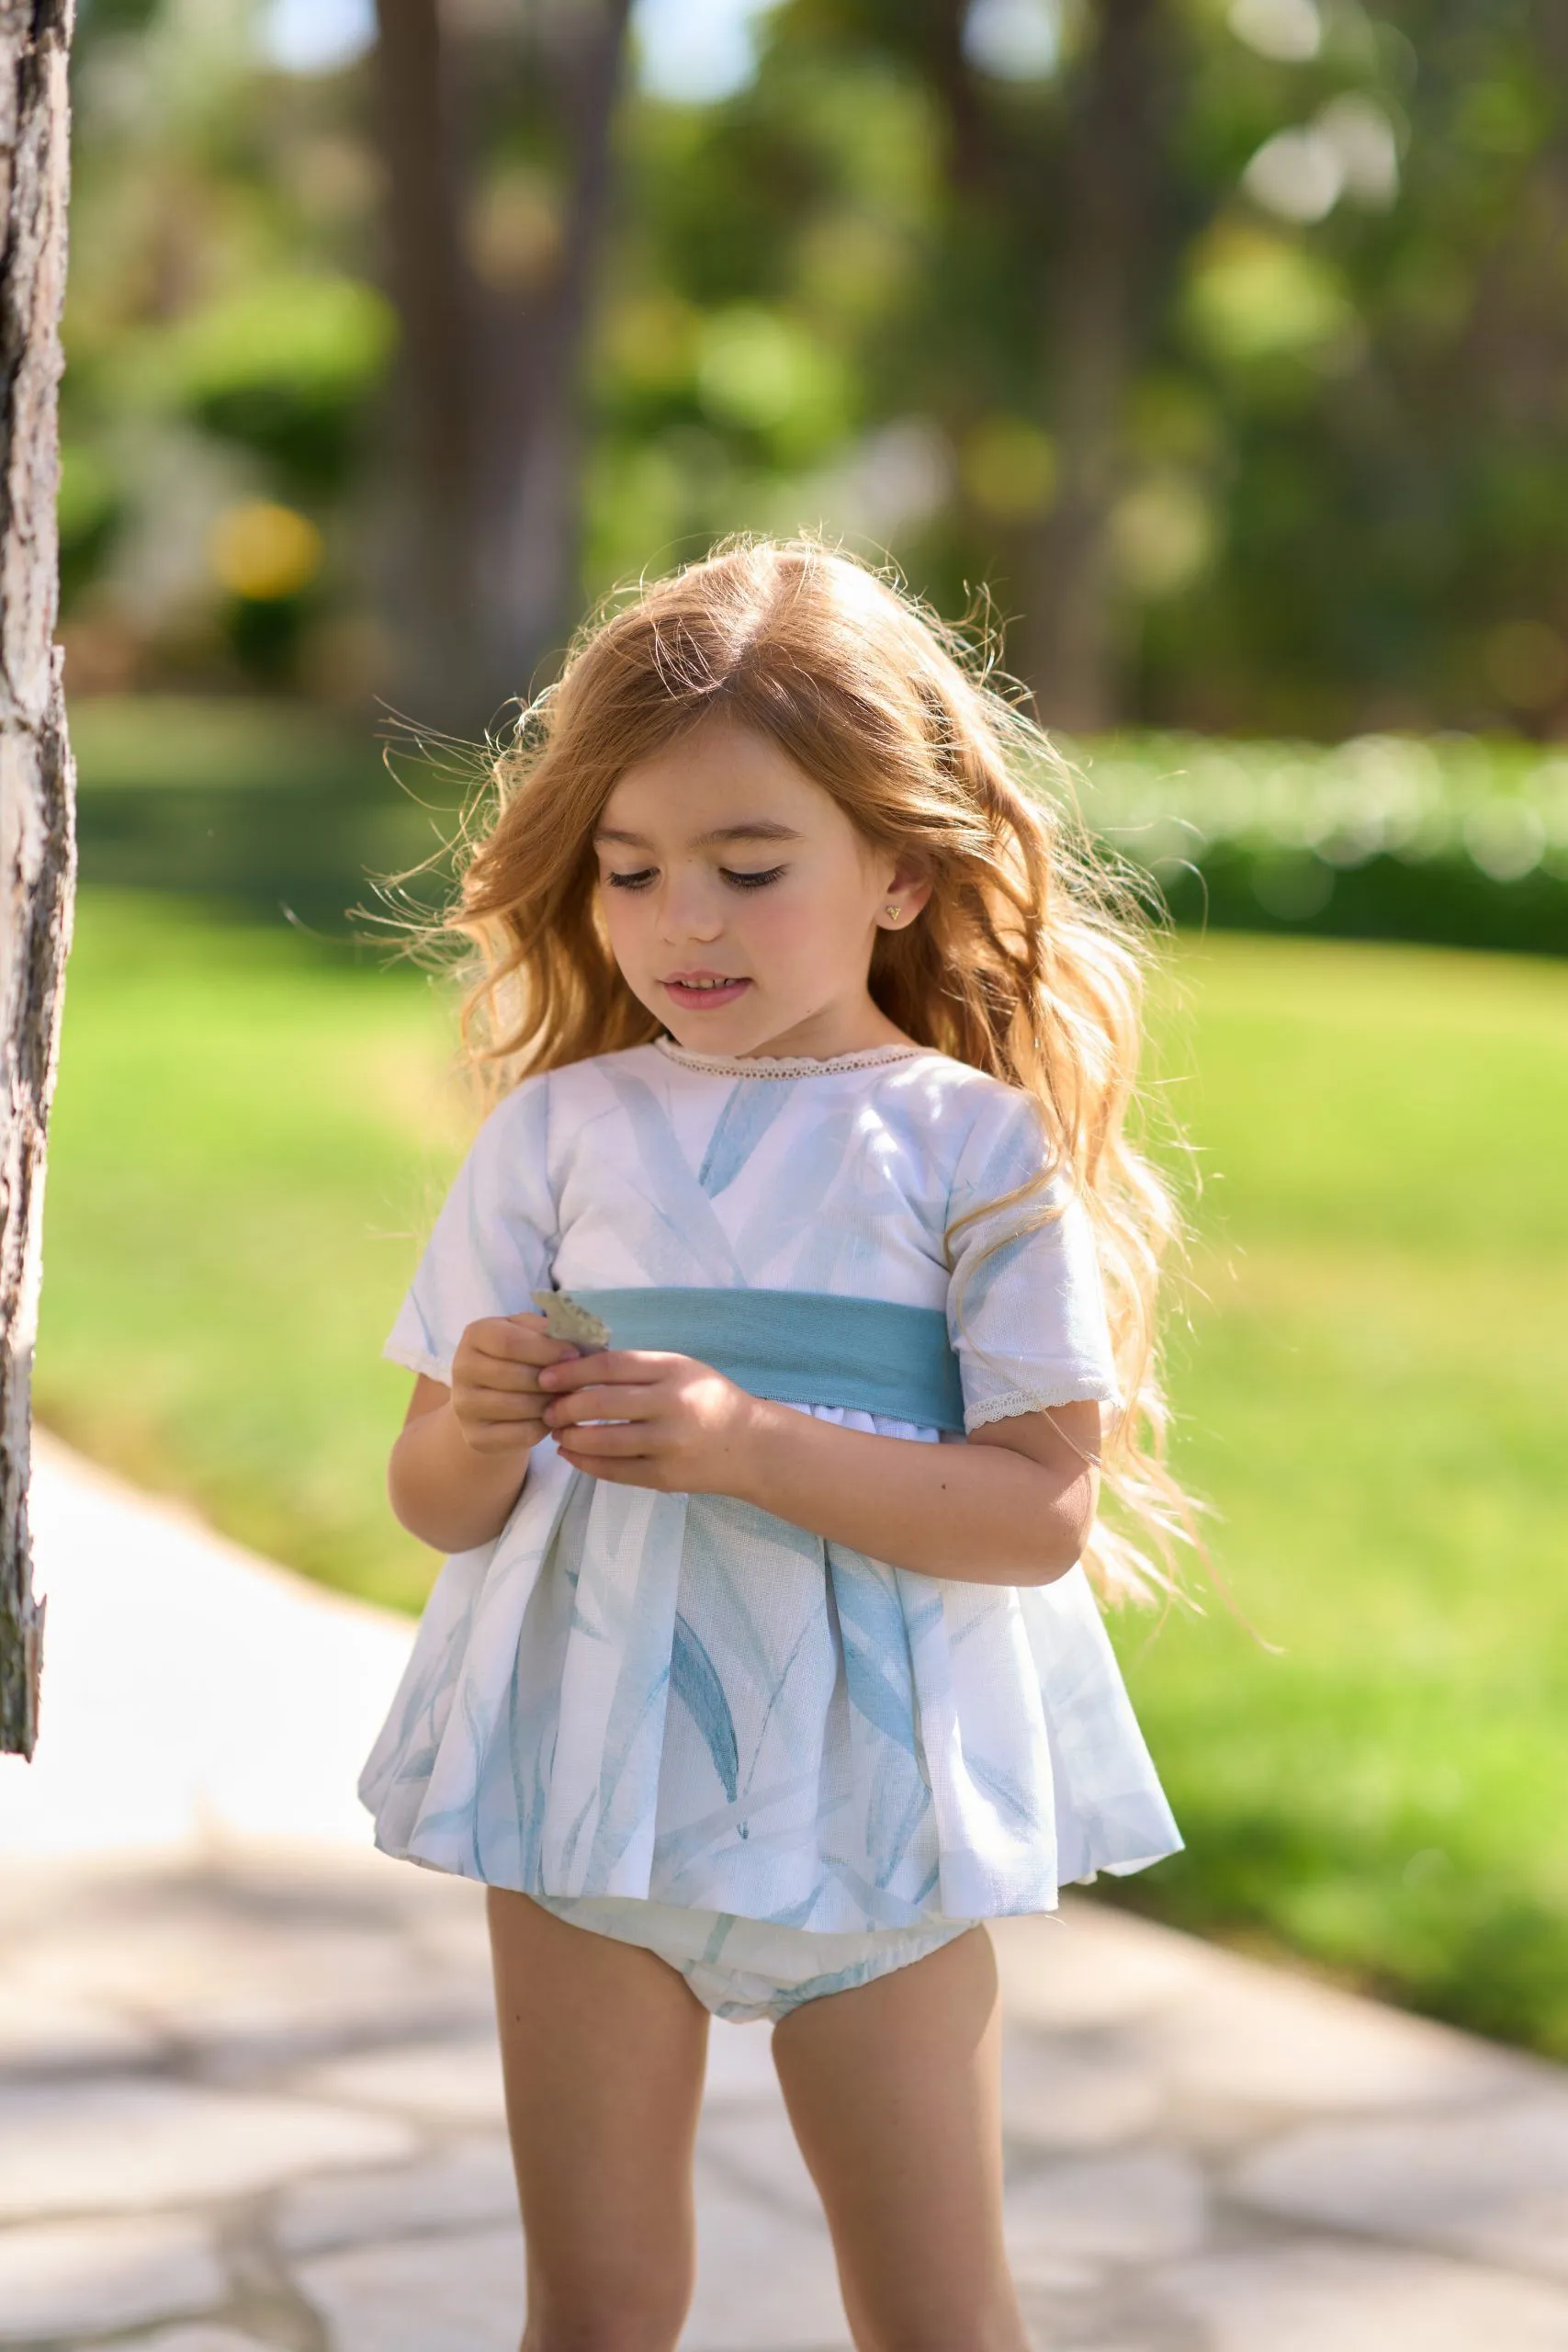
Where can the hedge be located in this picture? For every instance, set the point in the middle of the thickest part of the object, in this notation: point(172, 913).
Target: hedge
point(1452, 840)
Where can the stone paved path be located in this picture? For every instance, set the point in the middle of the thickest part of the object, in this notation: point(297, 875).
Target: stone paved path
point(249, 2095)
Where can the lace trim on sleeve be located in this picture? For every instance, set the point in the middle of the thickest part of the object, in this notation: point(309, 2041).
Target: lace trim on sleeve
point(1086, 1389)
point(414, 1359)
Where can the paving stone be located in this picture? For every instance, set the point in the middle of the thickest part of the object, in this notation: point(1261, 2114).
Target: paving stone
point(42, 2033)
point(462, 2293)
point(1145, 2207)
point(456, 2082)
point(755, 2149)
point(459, 2187)
point(766, 2278)
point(241, 1979)
point(1251, 2037)
point(1492, 2183)
point(1078, 2092)
point(80, 2277)
point(127, 2145)
point(199, 2338)
point(1326, 2297)
point(1037, 2271)
point(164, 1716)
point(741, 2065)
point(447, 1919)
point(1089, 1965)
point(1056, 2342)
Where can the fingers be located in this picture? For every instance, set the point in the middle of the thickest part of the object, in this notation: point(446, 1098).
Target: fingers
point(495, 1382)
point(505, 1354)
point(494, 1373)
point(638, 1365)
point(517, 1339)
point(602, 1404)
point(607, 1442)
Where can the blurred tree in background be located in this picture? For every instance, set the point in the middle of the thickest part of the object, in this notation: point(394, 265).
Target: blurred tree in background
point(1224, 338)
point(494, 131)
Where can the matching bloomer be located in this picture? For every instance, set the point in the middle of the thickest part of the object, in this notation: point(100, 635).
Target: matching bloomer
point(676, 1719)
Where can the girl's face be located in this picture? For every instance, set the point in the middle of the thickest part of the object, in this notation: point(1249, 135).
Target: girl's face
point(741, 902)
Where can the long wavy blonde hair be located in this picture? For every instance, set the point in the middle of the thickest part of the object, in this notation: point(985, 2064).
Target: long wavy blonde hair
point(1028, 961)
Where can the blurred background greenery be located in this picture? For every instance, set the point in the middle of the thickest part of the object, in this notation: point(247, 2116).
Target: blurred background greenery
point(1221, 344)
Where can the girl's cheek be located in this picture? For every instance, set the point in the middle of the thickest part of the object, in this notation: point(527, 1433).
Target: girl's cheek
point(794, 929)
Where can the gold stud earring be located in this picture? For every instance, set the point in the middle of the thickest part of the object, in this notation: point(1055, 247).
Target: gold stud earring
point(894, 913)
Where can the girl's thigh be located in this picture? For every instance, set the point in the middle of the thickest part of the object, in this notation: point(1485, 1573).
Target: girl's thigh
point(894, 2090)
point(602, 2049)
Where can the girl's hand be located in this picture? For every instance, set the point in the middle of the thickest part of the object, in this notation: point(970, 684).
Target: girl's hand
point(671, 1423)
point(496, 1400)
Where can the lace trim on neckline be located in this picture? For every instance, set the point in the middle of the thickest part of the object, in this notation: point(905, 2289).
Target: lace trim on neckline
point(784, 1065)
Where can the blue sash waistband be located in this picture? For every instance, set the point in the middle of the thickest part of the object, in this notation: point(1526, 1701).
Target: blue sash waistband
point(802, 1347)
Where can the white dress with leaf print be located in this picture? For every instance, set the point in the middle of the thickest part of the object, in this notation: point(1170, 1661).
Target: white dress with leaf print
point(680, 1697)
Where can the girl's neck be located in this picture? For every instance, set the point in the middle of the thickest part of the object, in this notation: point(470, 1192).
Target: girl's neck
point(826, 1036)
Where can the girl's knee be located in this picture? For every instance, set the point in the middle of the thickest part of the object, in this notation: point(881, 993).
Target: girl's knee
point(610, 2315)
point(608, 2333)
point(938, 2322)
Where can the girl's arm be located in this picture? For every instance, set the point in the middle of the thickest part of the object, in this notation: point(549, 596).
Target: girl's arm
point(1014, 1505)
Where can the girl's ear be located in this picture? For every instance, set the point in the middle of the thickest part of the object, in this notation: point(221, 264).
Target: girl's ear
point(906, 894)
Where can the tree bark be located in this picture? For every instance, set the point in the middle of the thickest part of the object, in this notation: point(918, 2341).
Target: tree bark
point(490, 439)
point(1111, 192)
point(37, 782)
point(432, 290)
point(531, 438)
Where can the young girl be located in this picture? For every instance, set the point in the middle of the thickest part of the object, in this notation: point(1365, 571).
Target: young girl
point(764, 1667)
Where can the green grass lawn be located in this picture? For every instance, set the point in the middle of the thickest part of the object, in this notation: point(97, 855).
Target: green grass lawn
point(252, 1132)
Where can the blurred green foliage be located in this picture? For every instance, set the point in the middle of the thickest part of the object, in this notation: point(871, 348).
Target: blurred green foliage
point(837, 296)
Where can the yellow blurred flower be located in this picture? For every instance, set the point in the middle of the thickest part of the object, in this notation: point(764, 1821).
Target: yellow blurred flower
point(265, 551)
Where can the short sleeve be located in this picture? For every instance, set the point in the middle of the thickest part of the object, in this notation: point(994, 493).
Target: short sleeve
point(1025, 1303)
point(493, 1242)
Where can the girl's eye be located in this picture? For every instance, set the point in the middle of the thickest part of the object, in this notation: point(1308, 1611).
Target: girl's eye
point(637, 881)
point(752, 881)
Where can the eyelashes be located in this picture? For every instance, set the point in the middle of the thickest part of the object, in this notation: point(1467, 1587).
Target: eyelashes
point(647, 875)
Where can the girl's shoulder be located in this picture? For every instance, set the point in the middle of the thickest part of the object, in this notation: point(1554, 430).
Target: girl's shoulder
point(959, 1098)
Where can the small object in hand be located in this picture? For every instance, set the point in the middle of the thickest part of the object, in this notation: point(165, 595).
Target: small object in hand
point(565, 1320)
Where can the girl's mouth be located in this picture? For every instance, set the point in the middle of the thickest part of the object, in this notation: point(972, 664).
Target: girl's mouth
point(704, 992)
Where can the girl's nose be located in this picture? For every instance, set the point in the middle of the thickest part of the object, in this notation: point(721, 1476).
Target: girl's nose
point(689, 910)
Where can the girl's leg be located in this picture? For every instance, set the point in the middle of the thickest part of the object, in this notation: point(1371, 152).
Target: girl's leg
point(894, 2090)
point(603, 2048)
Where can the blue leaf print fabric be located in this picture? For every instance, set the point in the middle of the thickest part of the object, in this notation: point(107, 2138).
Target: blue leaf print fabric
point(685, 1701)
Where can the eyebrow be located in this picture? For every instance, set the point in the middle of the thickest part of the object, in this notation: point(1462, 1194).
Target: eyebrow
point(764, 830)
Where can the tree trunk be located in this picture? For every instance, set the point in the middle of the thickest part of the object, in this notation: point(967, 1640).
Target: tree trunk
point(36, 835)
point(1110, 194)
point(427, 586)
point(490, 445)
point(531, 439)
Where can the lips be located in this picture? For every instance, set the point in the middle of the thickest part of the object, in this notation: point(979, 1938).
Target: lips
point(704, 991)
